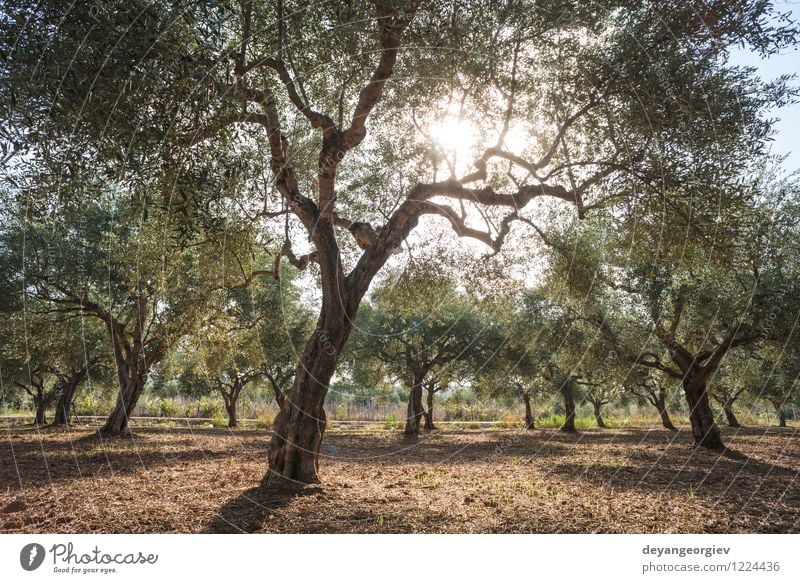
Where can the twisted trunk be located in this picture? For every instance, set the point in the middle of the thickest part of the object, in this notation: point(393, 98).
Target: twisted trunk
point(660, 402)
point(730, 417)
point(300, 424)
point(66, 396)
point(529, 422)
point(569, 408)
point(429, 426)
point(598, 417)
point(704, 430)
point(129, 393)
point(415, 412)
point(41, 403)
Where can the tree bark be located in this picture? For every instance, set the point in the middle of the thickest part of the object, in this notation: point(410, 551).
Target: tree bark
point(569, 408)
point(66, 396)
point(730, 417)
point(280, 398)
point(529, 421)
point(41, 410)
point(598, 417)
point(300, 424)
point(415, 412)
point(129, 393)
point(661, 405)
point(429, 426)
point(781, 418)
point(704, 430)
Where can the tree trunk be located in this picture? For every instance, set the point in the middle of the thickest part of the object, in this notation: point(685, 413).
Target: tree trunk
point(429, 426)
point(129, 393)
point(730, 417)
point(529, 422)
point(704, 430)
point(415, 412)
point(661, 405)
point(41, 411)
point(280, 398)
point(300, 424)
point(598, 417)
point(230, 407)
point(781, 418)
point(569, 408)
point(65, 398)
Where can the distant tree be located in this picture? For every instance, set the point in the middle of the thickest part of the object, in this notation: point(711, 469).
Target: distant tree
point(649, 386)
point(422, 331)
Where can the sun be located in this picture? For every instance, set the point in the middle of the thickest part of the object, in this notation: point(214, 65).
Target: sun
point(454, 136)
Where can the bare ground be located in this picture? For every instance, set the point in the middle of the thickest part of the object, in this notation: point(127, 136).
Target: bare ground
point(615, 480)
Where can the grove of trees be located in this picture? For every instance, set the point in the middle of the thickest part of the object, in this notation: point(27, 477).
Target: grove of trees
point(528, 200)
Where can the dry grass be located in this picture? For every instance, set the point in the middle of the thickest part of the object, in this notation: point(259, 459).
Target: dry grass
point(617, 480)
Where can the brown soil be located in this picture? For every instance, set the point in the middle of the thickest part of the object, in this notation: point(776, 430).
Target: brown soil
point(615, 480)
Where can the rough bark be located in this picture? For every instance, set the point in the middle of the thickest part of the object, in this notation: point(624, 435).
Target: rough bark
point(230, 408)
point(661, 405)
point(41, 410)
point(704, 430)
point(129, 393)
point(529, 421)
point(300, 424)
point(66, 395)
point(781, 418)
point(569, 408)
point(415, 412)
point(598, 414)
point(730, 417)
point(429, 426)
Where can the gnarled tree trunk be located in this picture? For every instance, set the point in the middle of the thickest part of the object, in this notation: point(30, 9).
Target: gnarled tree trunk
point(730, 417)
point(598, 416)
point(429, 426)
point(129, 393)
point(415, 412)
point(65, 397)
point(300, 424)
point(704, 430)
point(230, 409)
point(41, 404)
point(660, 402)
point(569, 408)
point(529, 422)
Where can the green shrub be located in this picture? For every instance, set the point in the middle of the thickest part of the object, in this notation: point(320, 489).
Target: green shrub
point(391, 422)
point(209, 409)
point(166, 408)
point(264, 421)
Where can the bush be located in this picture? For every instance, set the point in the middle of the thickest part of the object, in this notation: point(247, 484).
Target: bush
point(264, 421)
point(166, 408)
point(391, 422)
point(209, 409)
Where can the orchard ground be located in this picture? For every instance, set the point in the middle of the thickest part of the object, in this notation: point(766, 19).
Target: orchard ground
point(167, 479)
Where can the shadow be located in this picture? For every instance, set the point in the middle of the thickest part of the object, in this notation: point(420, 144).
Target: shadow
point(251, 509)
point(53, 459)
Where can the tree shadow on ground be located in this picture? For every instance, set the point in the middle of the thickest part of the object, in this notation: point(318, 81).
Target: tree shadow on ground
point(249, 511)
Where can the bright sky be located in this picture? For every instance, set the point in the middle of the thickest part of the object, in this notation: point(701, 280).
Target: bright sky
point(787, 140)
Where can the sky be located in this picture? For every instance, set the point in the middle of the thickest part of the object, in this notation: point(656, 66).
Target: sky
point(787, 138)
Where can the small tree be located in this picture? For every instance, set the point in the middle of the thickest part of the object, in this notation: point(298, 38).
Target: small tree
point(647, 385)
